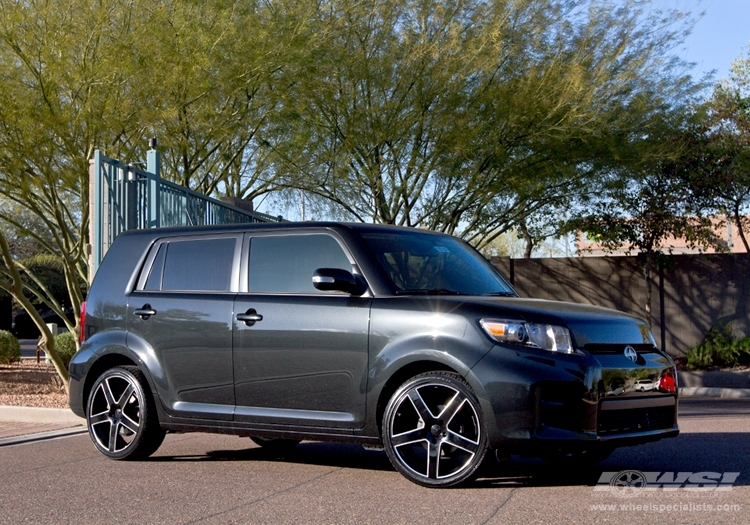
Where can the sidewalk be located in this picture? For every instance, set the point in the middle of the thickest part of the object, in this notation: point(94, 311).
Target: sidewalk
point(26, 424)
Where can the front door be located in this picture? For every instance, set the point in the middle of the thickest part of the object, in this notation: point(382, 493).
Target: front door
point(300, 355)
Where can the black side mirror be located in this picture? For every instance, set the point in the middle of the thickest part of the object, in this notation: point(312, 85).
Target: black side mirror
point(338, 280)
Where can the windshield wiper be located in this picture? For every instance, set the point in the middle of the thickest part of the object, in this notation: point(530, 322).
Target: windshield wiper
point(501, 294)
point(426, 291)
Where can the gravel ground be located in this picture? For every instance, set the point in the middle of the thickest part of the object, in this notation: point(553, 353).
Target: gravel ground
point(31, 385)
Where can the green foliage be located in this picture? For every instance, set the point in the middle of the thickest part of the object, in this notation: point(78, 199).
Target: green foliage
point(60, 97)
point(10, 350)
point(719, 348)
point(65, 345)
point(643, 206)
point(642, 213)
point(467, 116)
point(720, 156)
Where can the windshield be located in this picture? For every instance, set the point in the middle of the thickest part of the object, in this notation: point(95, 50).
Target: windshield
point(422, 263)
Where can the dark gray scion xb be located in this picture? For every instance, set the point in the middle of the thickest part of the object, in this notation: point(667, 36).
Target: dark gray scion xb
point(378, 335)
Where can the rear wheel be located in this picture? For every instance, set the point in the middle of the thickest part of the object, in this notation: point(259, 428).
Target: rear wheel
point(121, 417)
point(433, 430)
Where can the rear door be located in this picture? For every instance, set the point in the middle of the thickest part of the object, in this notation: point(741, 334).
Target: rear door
point(182, 310)
point(304, 360)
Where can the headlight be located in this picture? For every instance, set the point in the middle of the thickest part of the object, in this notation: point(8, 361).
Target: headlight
point(545, 336)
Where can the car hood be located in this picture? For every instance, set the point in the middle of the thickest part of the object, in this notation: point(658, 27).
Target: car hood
point(587, 324)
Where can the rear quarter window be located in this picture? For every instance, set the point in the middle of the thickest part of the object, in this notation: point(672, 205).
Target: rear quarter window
point(192, 265)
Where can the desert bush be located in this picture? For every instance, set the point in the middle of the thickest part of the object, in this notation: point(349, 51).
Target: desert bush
point(719, 348)
point(65, 345)
point(10, 350)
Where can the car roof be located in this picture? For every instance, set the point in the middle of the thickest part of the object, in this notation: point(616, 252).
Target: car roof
point(270, 226)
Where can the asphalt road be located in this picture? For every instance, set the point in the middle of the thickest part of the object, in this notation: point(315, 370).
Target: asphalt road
point(202, 478)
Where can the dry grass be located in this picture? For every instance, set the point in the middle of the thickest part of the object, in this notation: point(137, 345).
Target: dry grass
point(31, 385)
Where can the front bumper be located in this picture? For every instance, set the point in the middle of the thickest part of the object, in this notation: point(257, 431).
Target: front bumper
point(536, 400)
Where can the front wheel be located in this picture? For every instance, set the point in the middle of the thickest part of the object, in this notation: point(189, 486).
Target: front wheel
point(433, 431)
point(121, 417)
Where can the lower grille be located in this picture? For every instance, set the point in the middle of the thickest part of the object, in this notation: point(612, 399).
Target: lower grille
point(635, 420)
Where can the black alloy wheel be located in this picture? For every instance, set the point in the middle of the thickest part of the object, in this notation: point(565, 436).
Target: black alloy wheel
point(433, 430)
point(121, 417)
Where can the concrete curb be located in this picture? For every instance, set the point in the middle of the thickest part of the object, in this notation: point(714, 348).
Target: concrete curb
point(726, 379)
point(40, 436)
point(704, 391)
point(39, 415)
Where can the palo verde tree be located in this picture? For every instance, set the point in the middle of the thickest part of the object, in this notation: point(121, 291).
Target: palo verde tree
point(466, 116)
point(211, 89)
point(77, 76)
point(60, 94)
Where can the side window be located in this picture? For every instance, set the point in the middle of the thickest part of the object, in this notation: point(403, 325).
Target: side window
point(199, 265)
point(287, 263)
point(157, 270)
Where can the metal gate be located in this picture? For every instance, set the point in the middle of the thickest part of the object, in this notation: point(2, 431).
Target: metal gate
point(124, 197)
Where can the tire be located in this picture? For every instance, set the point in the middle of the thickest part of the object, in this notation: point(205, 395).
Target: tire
point(121, 416)
point(578, 458)
point(275, 445)
point(433, 430)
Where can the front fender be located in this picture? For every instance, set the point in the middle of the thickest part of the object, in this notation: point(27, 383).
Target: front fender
point(406, 357)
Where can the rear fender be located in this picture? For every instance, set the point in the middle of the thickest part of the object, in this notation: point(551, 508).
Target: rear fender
point(101, 351)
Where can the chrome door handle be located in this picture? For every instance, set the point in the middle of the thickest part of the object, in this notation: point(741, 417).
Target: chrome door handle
point(144, 312)
point(250, 317)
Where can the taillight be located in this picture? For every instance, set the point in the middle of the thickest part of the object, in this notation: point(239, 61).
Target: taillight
point(82, 322)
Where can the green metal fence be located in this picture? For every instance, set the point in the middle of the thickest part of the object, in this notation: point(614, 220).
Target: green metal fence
point(125, 197)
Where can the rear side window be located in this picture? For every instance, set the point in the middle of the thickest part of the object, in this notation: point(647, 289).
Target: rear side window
point(203, 265)
point(157, 270)
point(285, 264)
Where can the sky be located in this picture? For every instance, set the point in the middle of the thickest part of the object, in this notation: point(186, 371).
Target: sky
point(720, 36)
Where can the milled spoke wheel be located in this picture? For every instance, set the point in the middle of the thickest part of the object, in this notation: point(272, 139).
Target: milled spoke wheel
point(119, 415)
point(432, 430)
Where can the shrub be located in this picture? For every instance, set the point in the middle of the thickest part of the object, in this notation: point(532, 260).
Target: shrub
point(65, 346)
point(719, 348)
point(10, 350)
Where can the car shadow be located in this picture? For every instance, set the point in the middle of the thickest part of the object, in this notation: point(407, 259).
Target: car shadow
point(695, 452)
point(308, 452)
